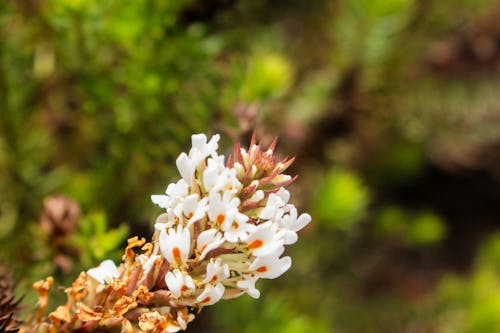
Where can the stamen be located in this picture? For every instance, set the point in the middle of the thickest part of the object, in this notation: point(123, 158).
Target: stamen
point(176, 253)
point(255, 244)
point(221, 218)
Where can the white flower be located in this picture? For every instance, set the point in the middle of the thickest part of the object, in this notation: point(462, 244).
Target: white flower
point(207, 241)
point(216, 272)
point(212, 294)
point(174, 191)
point(194, 209)
point(271, 266)
point(105, 271)
point(175, 244)
point(179, 283)
point(291, 224)
point(248, 285)
point(222, 209)
point(211, 174)
point(273, 208)
point(216, 177)
point(264, 240)
point(238, 229)
point(187, 166)
point(202, 147)
point(164, 221)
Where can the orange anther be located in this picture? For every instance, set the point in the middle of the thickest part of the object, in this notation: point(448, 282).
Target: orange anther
point(221, 218)
point(255, 244)
point(176, 253)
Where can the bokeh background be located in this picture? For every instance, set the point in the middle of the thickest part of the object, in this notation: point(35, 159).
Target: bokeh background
point(392, 108)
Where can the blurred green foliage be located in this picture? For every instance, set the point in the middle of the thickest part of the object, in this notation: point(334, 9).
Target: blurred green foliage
point(96, 242)
point(341, 199)
point(423, 228)
point(267, 75)
point(271, 312)
point(398, 163)
point(472, 305)
point(387, 104)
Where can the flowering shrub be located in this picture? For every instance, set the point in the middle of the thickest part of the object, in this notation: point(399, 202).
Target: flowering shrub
point(225, 226)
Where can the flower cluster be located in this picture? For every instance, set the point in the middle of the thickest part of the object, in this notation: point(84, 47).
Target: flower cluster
point(225, 225)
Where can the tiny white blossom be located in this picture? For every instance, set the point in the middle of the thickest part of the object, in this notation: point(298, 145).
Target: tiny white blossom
point(194, 209)
point(273, 208)
point(207, 241)
point(201, 149)
point(174, 192)
point(291, 225)
point(179, 282)
point(175, 244)
point(164, 221)
point(248, 285)
point(211, 174)
point(264, 240)
point(105, 271)
point(211, 294)
point(200, 146)
point(271, 266)
point(187, 166)
point(216, 272)
point(222, 209)
point(239, 229)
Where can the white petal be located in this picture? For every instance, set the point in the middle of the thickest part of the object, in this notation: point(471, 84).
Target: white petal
point(106, 270)
point(185, 167)
point(160, 200)
point(303, 220)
